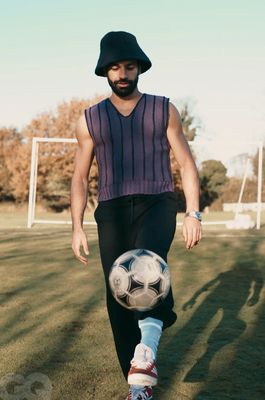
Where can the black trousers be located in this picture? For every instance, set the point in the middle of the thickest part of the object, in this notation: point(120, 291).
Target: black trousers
point(146, 221)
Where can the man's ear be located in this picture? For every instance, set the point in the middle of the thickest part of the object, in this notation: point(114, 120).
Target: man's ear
point(139, 68)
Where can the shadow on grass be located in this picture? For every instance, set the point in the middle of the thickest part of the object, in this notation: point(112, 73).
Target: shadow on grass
point(243, 377)
point(187, 354)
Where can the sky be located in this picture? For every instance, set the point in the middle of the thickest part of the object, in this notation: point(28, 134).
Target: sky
point(210, 53)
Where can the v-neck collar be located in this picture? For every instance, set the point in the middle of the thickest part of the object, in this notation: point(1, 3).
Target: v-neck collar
point(126, 116)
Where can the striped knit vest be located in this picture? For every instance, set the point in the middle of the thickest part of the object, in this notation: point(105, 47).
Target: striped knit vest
point(132, 152)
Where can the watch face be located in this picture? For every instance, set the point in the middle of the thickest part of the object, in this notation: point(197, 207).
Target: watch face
point(198, 215)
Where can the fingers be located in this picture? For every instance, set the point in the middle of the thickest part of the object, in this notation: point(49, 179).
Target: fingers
point(188, 237)
point(79, 256)
point(82, 259)
point(191, 233)
point(200, 234)
point(85, 246)
point(77, 243)
point(197, 235)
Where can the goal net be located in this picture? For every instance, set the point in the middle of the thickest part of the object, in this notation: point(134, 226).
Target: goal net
point(235, 156)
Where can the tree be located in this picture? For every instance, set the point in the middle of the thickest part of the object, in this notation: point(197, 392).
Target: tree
point(231, 191)
point(212, 179)
point(188, 121)
point(190, 131)
point(10, 142)
point(56, 160)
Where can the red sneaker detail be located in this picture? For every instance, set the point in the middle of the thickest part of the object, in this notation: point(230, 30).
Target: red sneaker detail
point(143, 371)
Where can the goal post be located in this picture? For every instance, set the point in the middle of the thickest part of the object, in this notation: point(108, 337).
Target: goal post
point(36, 141)
point(259, 193)
point(33, 182)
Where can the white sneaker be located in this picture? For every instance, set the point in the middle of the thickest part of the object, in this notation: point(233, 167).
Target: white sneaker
point(143, 371)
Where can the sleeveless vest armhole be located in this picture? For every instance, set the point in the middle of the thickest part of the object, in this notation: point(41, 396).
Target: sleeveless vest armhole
point(86, 117)
point(166, 113)
point(89, 123)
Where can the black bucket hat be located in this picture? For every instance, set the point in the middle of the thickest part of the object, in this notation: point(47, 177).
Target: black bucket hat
point(120, 46)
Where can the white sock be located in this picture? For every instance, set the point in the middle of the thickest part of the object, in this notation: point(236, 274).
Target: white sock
point(151, 330)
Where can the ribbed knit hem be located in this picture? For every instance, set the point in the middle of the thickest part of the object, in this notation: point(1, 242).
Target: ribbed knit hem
point(134, 187)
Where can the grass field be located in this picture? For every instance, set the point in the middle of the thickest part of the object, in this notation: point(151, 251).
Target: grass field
point(54, 322)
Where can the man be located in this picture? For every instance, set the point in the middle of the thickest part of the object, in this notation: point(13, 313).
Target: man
point(131, 133)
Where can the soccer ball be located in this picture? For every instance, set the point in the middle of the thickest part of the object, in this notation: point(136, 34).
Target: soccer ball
point(139, 279)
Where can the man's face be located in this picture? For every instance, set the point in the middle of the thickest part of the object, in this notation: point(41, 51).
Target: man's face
point(123, 77)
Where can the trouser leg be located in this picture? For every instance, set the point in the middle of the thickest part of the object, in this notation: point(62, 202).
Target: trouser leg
point(151, 226)
point(113, 241)
point(155, 230)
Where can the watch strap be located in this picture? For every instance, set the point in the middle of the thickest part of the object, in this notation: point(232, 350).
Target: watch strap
point(194, 214)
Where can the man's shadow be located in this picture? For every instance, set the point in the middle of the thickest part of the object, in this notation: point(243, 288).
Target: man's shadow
point(229, 292)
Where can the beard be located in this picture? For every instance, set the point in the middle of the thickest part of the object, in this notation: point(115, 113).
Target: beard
point(123, 91)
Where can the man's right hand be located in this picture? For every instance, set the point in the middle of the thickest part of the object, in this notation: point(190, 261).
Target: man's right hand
point(79, 239)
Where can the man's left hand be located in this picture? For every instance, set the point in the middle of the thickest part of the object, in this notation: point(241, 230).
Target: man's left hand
point(191, 231)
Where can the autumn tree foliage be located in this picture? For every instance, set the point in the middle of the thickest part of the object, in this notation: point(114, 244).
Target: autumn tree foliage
point(10, 143)
point(189, 130)
point(55, 160)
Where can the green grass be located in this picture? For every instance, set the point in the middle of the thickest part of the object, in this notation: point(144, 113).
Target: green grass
point(53, 317)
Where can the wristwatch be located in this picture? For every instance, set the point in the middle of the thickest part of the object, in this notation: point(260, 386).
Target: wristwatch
point(194, 214)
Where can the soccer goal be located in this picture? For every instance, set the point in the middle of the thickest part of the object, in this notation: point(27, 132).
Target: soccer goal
point(236, 157)
point(33, 182)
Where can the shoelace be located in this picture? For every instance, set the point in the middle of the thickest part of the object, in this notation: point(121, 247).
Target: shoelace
point(136, 392)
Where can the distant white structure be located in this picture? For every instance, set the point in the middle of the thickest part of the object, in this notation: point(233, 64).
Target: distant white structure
point(241, 221)
point(244, 221)
point(242, 207)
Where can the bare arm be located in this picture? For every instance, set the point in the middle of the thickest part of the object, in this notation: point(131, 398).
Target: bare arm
point(79, 186)
point(189, 175)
